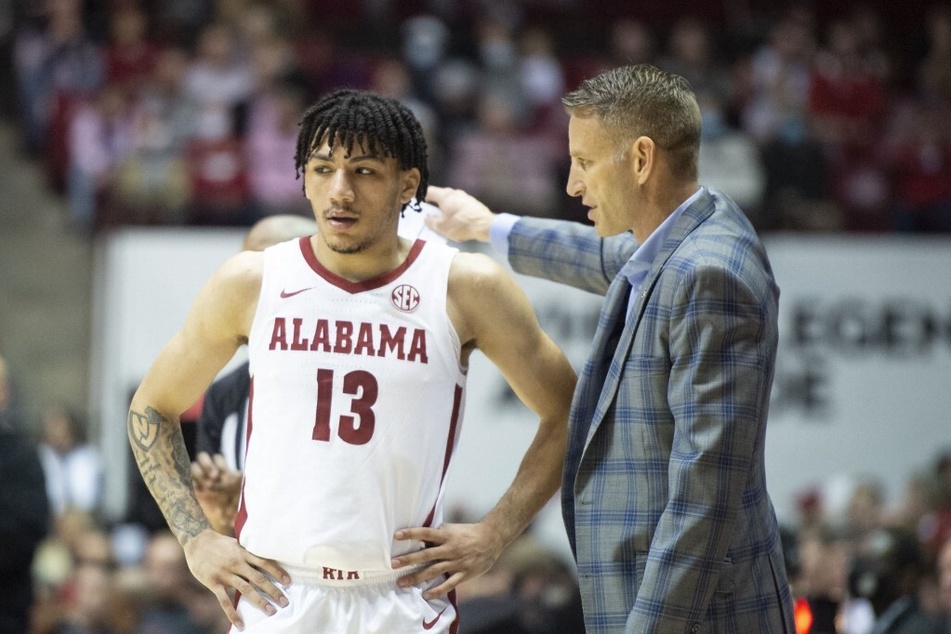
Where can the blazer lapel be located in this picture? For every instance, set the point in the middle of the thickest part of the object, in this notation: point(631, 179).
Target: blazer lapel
point(612, 361)
point(590, 384)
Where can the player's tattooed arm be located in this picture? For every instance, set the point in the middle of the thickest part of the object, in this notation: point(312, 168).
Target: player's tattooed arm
point(160, 453)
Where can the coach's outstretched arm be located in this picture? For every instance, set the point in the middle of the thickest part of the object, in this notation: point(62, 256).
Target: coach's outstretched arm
point(463, 217)
point(216, 326)
point(493, 314)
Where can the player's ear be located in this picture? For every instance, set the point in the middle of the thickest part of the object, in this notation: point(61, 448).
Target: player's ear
point(410, 183)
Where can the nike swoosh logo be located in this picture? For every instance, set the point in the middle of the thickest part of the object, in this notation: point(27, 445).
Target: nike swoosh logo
point(285, 294)
point(428, 625)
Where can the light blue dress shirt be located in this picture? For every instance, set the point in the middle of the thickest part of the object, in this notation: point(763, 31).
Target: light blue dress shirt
point(635, 269)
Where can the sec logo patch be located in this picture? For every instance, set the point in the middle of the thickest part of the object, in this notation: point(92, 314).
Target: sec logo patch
point(405, 298)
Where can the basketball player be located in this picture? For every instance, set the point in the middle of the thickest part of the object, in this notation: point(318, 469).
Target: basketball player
point(222, 427)
point(358, 343)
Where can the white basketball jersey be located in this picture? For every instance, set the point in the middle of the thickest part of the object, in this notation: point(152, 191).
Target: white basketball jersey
point(356, 401)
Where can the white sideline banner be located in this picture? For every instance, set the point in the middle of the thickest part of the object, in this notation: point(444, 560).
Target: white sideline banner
point(863, 381)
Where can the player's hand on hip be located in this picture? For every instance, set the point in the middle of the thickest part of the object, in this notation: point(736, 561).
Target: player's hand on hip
point(458, 551)
point(463, 216)
point(220, 563)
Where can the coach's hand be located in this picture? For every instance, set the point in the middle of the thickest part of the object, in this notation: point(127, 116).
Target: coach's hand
point(458, 551)
point(220, 563)
point(463, 217)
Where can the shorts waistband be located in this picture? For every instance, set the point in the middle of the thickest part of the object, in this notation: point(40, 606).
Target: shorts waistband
point(327, 576)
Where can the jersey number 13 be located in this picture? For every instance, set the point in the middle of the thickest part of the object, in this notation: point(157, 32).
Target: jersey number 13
point(356, 429)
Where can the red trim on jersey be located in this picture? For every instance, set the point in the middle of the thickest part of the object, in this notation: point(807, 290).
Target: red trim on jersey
point(242, 515)
point(450, 445)
point(358, 287)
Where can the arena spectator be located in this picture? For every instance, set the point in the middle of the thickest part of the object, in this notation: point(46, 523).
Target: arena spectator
point(847, 105)
point(24, 516)
point(130, 56)
point(217, 82)
point(151, 183)
point(502, 164)
point(71, 464)
point(101, 136)
point(55, 62)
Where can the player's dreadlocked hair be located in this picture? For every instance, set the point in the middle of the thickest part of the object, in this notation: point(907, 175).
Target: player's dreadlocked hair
point(378, 123)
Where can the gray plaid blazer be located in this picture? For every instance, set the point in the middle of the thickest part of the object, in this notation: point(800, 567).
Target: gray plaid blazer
point(664, 493)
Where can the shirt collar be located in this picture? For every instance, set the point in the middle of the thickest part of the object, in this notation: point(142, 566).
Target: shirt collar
point(636, 268)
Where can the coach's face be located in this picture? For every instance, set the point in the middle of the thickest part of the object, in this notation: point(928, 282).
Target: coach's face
point(601, 176)
point(356, 196)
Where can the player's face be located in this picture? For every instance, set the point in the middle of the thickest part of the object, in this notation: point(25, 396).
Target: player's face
point(604, 183)
point(356, 196)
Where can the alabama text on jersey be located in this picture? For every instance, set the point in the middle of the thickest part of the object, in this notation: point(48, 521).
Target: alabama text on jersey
point(356, 400)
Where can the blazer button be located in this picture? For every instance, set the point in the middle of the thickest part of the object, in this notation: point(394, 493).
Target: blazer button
point(695, 628)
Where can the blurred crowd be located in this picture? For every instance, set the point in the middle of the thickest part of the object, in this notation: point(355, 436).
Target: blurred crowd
point(858, 562)
point(184, 112)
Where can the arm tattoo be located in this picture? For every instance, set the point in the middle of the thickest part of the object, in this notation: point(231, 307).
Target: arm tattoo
point(162, 458)
point(144, 429)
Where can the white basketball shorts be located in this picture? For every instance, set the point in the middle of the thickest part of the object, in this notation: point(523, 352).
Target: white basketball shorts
point(337, 605)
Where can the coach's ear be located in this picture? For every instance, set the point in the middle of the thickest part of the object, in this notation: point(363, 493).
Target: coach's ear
point(643, 156)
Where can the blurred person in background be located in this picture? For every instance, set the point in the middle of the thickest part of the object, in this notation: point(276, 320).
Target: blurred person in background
point(823, 575)
point(729, 158)
point(88, 609)
point(222, 426)
point(774, 112)
point(151, 183)
point(424, 45)
point(888, 570)
point(529, 590)
point(944, 585)
point(630, 42)
point(692, 53)
point(865, 509)
point(933, 72)
point(130, 56)
point(24, 520)
point(171, 588)
point(934, 527)
point(541, 81)
point(73, 466)
point(270, 141)
point(9, 411)
point(847, 106)
point(54, 59)
point(391, 78)
point(218, 81)
point(546, 589)
point(802, 612)
point(101, 136)
point(776, 106)
point(918, 160)
point(77, 540)
point(501, 163)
